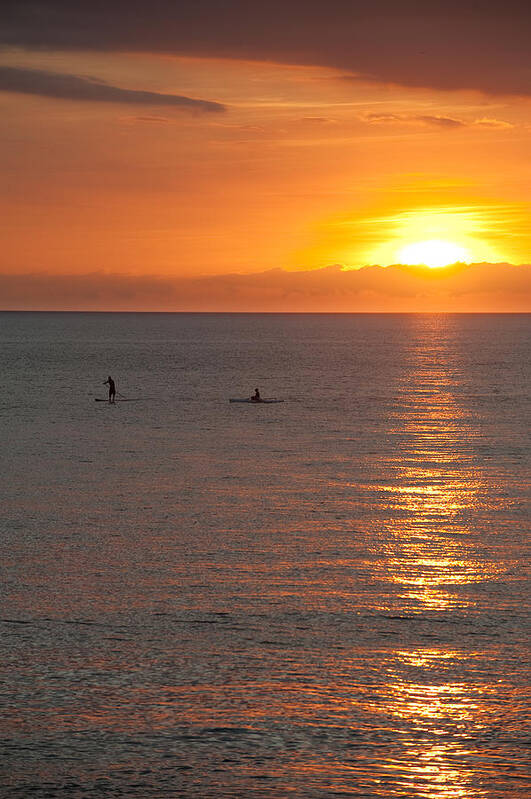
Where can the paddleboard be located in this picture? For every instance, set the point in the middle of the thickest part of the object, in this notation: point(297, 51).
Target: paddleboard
point(121, 399)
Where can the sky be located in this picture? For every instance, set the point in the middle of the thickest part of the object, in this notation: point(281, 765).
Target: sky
point(291, 156)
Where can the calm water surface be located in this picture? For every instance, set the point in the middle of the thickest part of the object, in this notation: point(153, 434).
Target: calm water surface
point(325, 597)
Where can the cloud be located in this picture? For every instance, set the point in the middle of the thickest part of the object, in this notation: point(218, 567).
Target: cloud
point(151, 119)
point(399, 288)
point(76, 87)
point(438, 121)
point(488, 122)
point(442, 44)
point(441, 122)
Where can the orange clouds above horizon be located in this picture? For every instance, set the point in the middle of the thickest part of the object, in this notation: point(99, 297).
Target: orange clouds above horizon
point(482, 288)
point(227, 143)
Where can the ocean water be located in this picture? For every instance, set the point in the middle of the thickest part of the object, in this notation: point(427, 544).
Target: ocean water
point(324, 597)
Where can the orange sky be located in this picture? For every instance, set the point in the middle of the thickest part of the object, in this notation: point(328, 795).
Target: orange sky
point(300, 166)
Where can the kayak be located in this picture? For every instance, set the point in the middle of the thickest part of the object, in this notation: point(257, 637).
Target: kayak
point(257, 402)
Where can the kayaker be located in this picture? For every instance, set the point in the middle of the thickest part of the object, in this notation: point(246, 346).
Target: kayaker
point(256, 396)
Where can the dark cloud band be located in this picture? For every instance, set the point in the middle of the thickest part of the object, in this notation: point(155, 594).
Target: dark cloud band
point(443, 44)
point(75, 87)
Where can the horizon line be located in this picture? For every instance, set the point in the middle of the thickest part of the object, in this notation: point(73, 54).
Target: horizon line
point(268, 313)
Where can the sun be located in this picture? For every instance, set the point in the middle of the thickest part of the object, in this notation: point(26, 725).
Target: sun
point(433, 253)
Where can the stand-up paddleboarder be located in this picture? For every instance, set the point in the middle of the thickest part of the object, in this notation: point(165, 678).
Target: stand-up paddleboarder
point(112, 389)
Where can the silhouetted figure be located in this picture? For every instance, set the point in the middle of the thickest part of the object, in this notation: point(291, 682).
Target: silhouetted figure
point(256, 396)
point(112, 389)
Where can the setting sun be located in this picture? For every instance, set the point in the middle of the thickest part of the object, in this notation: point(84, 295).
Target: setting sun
point(433, 253)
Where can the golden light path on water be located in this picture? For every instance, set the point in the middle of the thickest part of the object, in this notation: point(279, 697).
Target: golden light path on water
point(426, 503)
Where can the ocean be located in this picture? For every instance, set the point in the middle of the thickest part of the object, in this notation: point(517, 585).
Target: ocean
point(322, 597)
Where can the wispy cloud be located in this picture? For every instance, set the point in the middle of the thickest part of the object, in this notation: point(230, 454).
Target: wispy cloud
point(462, 287)
point(427, 119)
point(151, 119)
point(489, 122)
point(436, 120)
point(76, 87)
point(441, 122)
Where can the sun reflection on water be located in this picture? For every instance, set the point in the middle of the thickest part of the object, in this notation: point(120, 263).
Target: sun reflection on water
point(431, 498)
point(430, 503)
point(434, 718)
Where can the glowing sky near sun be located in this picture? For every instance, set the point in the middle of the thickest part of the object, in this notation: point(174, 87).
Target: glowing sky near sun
point(154, 152)
point(433, 253)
